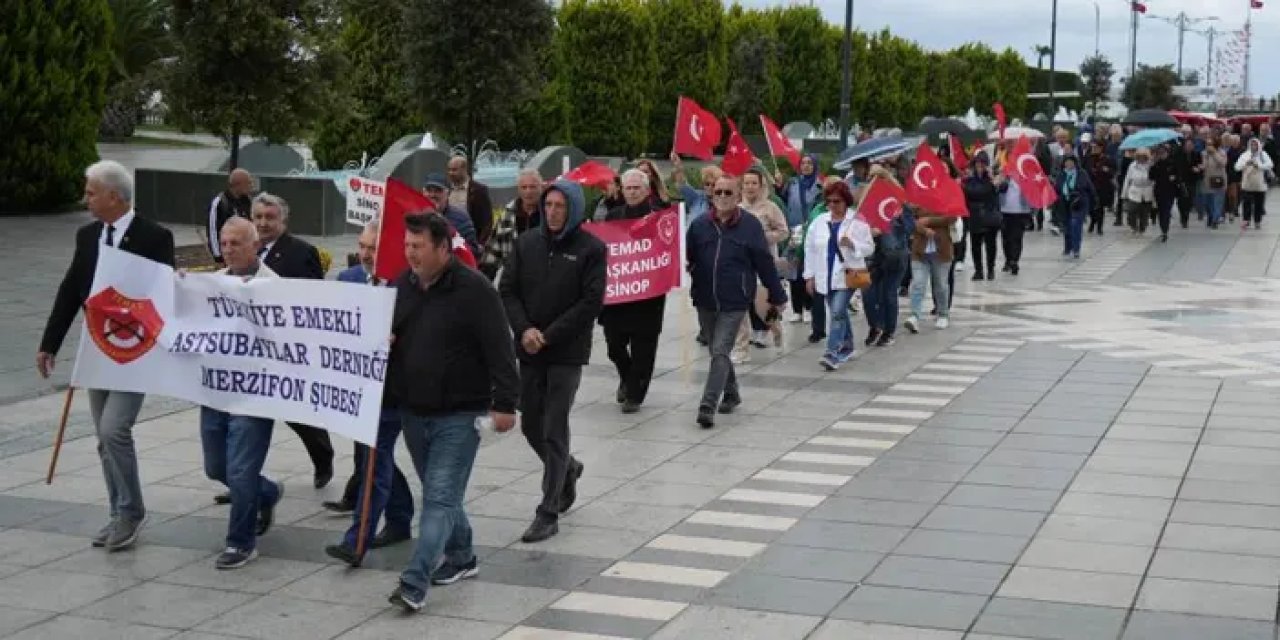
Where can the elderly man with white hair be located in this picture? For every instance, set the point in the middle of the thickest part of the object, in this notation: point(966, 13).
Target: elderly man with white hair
point(631, 329)
point(520, 215)
point(108, 194)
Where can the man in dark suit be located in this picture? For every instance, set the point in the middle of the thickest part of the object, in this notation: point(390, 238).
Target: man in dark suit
point(108, 194)
point(293, 257)
point(472, 197)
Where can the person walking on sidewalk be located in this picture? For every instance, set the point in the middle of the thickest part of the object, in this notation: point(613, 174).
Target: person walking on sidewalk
point(931, 251)
point(727, 255)
point(983, 200)
point(1164, 178)
point(1015, 211)
point(1076, 193)
point(1213, 190)
point(837, 242)
point(553, 289)
point(1139, 192)
point(1254, 165)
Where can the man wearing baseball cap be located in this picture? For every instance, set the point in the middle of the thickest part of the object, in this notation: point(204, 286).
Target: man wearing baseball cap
point(436, 187)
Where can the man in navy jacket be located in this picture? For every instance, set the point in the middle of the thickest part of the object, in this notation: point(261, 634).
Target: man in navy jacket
point(727, 254)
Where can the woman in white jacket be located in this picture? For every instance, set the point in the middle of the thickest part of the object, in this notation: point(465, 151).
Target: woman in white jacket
point(837, 242)
point(1138, 191)
point(1253, 166)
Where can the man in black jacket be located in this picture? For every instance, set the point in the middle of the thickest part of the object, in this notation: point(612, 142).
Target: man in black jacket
point(292, 257)
point(234, 202)
point(553, 289)
point(108, 194)
point(631, 329)
point(451, 363)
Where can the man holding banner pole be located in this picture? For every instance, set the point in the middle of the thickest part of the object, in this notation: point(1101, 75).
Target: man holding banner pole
point(632, 329)
point(235, 446)
point(108, 194)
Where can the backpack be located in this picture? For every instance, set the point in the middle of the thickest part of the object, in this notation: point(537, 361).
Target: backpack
point(893, 246)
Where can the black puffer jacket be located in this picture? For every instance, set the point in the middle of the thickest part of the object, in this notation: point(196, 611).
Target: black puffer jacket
point(983, 200)
point(555, 283)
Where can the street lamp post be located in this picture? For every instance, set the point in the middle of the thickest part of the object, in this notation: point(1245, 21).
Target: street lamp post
point(1097, 29)
point(1053, 54)
point(846, 83)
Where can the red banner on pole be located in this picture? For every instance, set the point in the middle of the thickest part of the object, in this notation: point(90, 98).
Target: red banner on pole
point(644, 255)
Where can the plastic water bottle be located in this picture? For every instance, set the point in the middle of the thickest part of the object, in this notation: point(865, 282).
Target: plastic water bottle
point(484, 424)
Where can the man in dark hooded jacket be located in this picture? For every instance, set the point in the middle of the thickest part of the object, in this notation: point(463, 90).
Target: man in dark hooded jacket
point(553, 289)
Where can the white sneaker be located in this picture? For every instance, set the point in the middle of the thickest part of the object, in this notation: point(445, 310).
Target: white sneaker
point(941, 323)
point(740, 358)
point(797, 318)
point(959, 267)
point(912, 324)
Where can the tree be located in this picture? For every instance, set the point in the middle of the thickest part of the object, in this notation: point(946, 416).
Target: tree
point(1096, 72)
point(249, 68)
point(468, 61)
point(1013, 80)
point(1190, 77)
point(55, 57)
point(608, 62)
point(1042, 51)
point(373, 107)
point(806, 65)
point(693, 60)
point(1152, 88)
point(754, 84)
point(139, 43)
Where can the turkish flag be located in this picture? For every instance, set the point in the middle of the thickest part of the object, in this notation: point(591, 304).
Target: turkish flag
point(1139, 7)
point(881, 203)
point(958, 157)
point(697, 130)
point(931, 187)
point(591, 174)
point(1001, 121)
point(389, 261)
point(1255, 4)
point(1025, 169)
point(737, 155)
point(779, 144)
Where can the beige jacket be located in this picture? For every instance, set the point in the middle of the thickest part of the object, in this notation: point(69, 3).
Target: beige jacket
point(771, 218)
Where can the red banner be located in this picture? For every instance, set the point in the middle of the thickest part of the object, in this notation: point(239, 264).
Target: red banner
point(644, 255)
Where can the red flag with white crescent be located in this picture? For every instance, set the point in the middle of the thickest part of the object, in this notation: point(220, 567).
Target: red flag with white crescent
point(697, 130)
point(1025, 169)
point(737, 155)
point(930, 186)
point(958, 157)
point(881, 203)
point(779, 143)
point(389, 262)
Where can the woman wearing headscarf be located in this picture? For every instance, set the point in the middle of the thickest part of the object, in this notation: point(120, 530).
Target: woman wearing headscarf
point(1253, 166)
point(1138, 191)
point(800, 193)
point(983, 201)
point(1076, 193)
point(838, 241)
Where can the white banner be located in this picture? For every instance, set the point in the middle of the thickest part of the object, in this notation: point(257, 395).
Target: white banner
point(309, 351)
point(365, 199)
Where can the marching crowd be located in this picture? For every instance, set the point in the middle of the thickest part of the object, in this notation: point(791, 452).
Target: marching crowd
point(474, 346)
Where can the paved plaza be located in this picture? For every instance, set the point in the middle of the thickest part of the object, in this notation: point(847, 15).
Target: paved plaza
point(1090, 451)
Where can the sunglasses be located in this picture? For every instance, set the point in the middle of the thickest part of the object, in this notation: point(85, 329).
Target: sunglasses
point(724, 193)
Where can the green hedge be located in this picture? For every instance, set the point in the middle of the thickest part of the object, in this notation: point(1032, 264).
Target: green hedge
point(54, 61)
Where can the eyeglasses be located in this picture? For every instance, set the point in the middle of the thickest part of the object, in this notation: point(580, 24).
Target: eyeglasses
point(708, 185)
point(836, 201)
point(724, 193)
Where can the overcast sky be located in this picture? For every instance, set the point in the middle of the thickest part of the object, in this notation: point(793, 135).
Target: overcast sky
point(1022, 24)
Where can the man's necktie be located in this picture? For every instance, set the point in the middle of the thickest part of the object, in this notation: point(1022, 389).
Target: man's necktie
point(262, 251)
point(111, 235)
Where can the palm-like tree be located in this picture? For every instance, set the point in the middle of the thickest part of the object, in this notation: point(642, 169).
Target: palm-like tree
point(1041, 50)
point(140, 42)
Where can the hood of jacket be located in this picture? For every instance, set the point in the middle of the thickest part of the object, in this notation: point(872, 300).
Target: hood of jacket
point(577, 206)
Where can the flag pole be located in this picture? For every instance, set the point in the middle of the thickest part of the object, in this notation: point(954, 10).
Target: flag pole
point(62, 430)
point(366, 494)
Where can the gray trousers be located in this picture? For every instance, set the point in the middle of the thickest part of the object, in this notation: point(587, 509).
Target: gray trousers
point(114, 413)
point(720, 329)
point(546, 397)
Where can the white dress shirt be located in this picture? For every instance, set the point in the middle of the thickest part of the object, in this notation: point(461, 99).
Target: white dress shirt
point(121, 227)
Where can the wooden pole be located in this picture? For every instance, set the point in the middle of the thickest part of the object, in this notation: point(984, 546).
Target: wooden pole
point(62, 431)
point(366, 494)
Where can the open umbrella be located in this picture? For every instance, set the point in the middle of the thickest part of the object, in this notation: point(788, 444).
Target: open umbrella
point(1014, 133)
point(1150, 118)
point(1149, 138)
point(870, 149)
point(938, 126)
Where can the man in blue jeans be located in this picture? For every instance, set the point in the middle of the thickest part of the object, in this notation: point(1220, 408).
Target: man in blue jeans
point(452, 361)
point(235, 446)
point(727, 254)
point(390, 494)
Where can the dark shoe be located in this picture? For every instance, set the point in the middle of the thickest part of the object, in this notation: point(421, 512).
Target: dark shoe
point(978, 275)
point(630, 407)
point(339, 506)
point(815, 338)
point(124, 533)
point(706, 419)
point(991, 275)
point(408, 597)
point(449, 573)
point(389, 537)
point(323, 477)
point(872, 336)
point(267, 514)
point(222, 498)
point(728, 404)
point(702, 340)
point(1006, 268)
point(1164, 237)
point(886, 340)
point(99, 540)
point(233, 558)
point(1014, 270)
point(621, 395)
point(343, 553)
point(541, 529)
point(569, 494)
